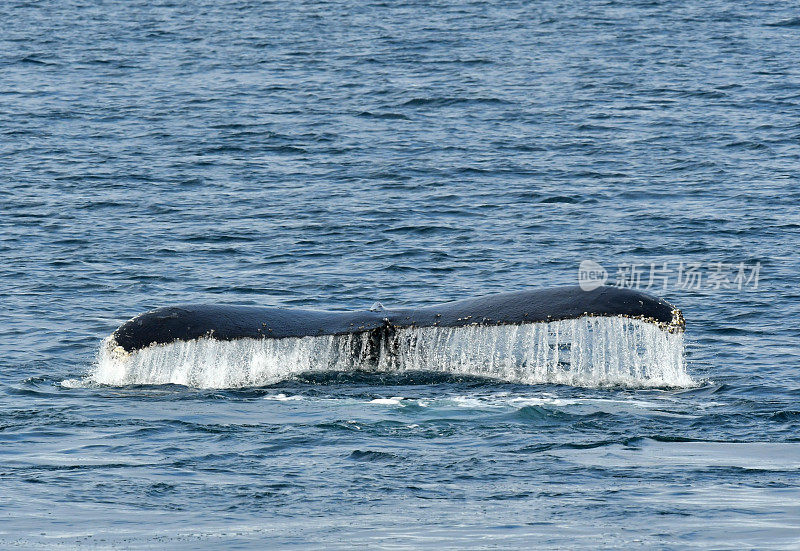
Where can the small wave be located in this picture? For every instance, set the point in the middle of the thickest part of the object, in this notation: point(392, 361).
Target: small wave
point(35, 60)
point(587, 352)
point(559, 199)
point(384, 115)
point(371, 456)
point(75, 383)
point(448, 101)
point(283, 397)
point(395, 400)
point(793, 22)
point(537, 413)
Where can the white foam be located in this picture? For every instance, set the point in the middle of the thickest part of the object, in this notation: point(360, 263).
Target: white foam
point(588, 352)
point(73, 383)
point(283, 397)
point(394, 400)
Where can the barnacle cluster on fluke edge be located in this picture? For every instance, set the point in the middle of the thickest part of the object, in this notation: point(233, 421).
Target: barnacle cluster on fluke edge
point(225, 322)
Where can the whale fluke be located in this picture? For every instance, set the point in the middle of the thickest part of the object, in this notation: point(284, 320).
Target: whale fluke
point(564, 335)
point(225, 323)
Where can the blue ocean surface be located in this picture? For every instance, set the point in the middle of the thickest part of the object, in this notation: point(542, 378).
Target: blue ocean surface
point(328, 155)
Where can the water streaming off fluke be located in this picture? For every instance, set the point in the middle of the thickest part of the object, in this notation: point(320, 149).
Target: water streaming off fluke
point(588, 351)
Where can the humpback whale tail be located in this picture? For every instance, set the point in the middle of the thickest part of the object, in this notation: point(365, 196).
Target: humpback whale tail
point(607, 336)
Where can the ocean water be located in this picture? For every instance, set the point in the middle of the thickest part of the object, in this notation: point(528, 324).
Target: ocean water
point(328, 155)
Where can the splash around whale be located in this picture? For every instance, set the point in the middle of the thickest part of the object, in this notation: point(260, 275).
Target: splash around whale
point(565, 335)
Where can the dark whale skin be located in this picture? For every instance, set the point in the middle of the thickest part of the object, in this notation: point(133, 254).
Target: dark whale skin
point(189, 322)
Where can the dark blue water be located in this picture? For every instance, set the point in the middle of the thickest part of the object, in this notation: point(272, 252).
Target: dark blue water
point(328, 155)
